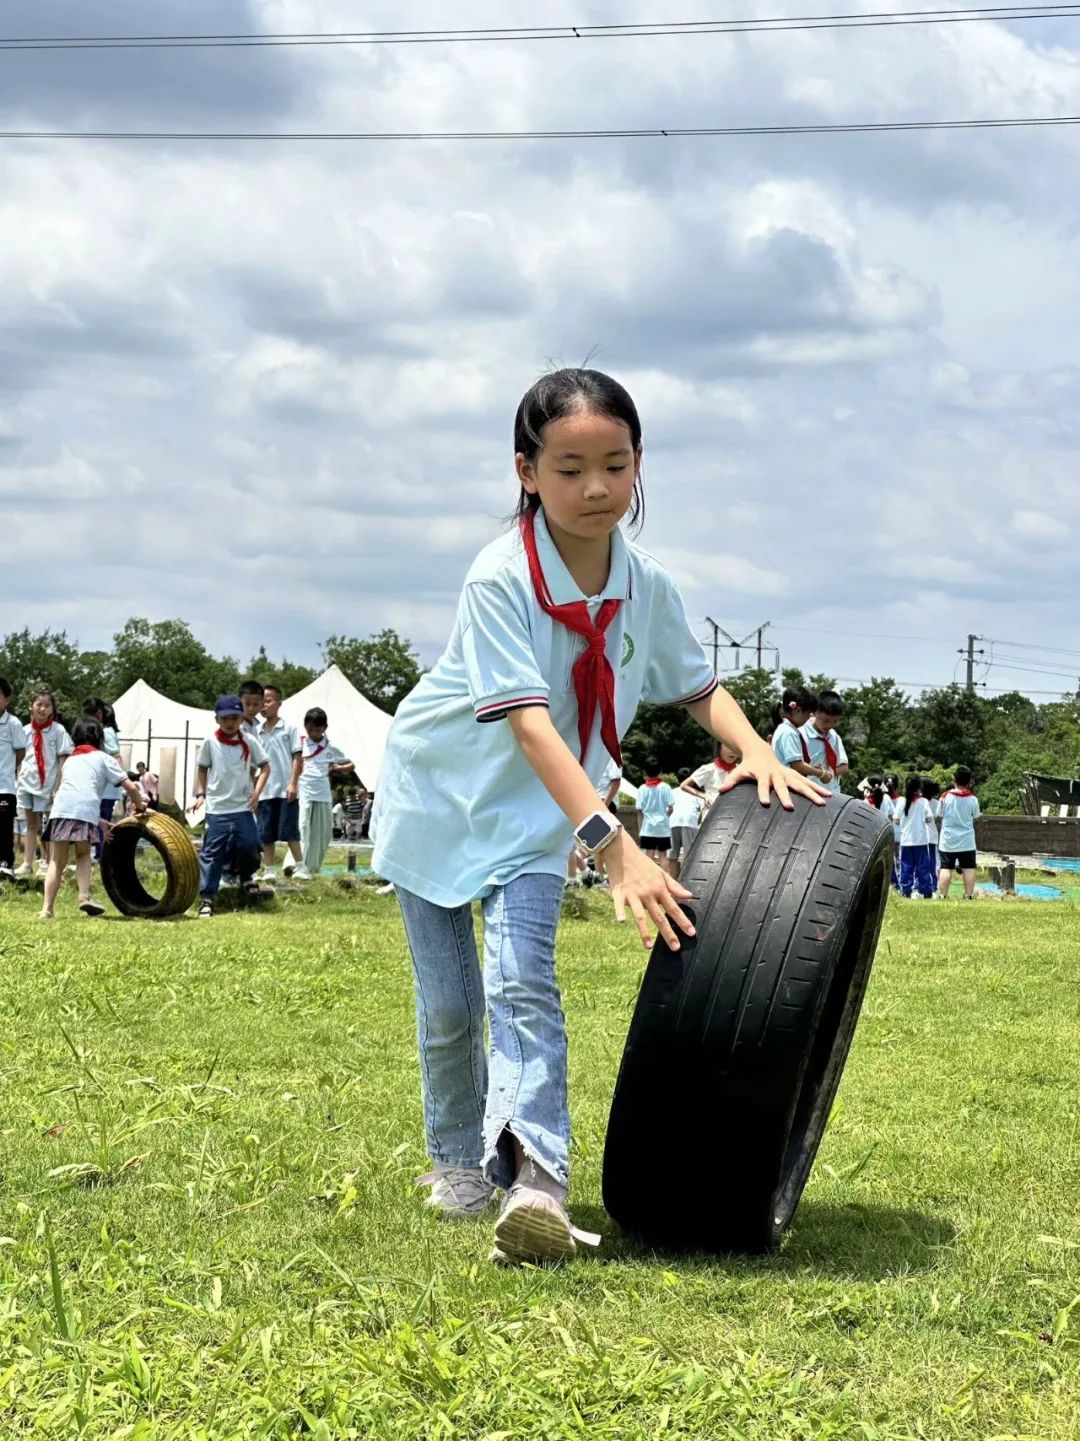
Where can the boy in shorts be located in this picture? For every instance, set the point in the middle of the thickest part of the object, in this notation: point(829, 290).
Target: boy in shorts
point(959, 812)
point(655, 801)
point(279, 808)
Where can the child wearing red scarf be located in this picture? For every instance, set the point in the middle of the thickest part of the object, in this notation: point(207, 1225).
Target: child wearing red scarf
point(710, 780)
point(233, 769)
point(489, 775)
point(88, 775)
point(655, 801)
point(48, 747)
point(957, 850)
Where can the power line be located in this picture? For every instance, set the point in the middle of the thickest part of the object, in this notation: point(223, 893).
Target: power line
point(639, 133)
point(472, 35)
point(1026, 646)
point(862, 634)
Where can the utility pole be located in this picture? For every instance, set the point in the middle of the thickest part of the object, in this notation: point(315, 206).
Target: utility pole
point(755, 639)
point(969, 655)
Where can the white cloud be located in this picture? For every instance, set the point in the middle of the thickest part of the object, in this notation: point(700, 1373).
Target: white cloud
point(854, 356)
point(1037, 525)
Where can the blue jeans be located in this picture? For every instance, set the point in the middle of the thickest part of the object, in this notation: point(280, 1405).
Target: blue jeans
point(469, 1116)
point(232, 841)
point(917, 870)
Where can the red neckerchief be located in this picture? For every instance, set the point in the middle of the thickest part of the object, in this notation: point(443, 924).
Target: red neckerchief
point(959, 792)
point(594, 680)
point(310, 756)
point(654, 780)
point(830, 750)
point(84, 750)
point(236, 740)
point(39, 745)
point(894, 795)
point(724, 765)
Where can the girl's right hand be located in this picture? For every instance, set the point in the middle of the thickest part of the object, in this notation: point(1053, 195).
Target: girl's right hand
point(649, 892)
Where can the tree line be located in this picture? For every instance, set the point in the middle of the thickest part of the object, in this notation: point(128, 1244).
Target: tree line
point(999, 737)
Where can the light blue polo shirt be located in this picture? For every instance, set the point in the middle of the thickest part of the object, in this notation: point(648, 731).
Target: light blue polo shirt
point(458, 809)
point(958, 817)
point(653, 802)
point(815, 744)
point(786, 742)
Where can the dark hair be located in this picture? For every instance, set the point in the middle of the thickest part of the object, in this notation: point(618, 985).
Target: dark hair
point(931, 788)
point(275, 688)
point(652, 767)
point(140, 763)
point(316, 716)
point(251, 687)
point(829, 703)
point(684, 774)
point(100, 710)
point(912, 790)
point(800, 698)
point(88, 732)
point(5, 687)
point(963, 776)
point(560, 393)
point(875, 790)
point(892, 783)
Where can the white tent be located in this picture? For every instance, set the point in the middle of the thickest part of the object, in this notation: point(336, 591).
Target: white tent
point(148, 721)
point(355, 725)
point(626, 789)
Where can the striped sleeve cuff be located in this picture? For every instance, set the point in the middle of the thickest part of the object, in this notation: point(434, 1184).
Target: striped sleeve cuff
point(702, 693)
point(493, 710)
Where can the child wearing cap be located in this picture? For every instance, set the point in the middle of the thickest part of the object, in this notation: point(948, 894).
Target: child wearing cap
point(319, 761)
point(224, 782)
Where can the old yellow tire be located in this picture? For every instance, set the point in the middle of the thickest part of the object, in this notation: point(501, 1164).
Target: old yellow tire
point(120, 876)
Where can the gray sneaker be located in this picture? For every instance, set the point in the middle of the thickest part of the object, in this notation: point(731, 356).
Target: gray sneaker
point(457, 1192)
point(533, 1227)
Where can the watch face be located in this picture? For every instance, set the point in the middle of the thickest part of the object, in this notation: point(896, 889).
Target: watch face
point(593, 831)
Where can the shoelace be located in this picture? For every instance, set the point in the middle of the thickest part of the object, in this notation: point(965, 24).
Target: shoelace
point(463, 1185)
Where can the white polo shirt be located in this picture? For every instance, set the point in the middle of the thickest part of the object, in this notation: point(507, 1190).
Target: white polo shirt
point(57, 743)
point(917, 824)
point(319, 756)
point(87, 781)
point(12, 739)
point(228, 781)
point(815, 744)
point(612, 772)
point(281, 745)
point(958, 817)
point(687, 812)
point(458, 809)
point(709, 778)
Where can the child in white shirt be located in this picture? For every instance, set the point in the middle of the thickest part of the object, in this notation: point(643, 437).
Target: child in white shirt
point(918, 838)
point(88, 775)
point(48, 746)
point(685, 822)
point(12, 754)
point(655, 801)
point(319, 761)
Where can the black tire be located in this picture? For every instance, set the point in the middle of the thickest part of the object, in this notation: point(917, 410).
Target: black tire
point(120, 877)
point(739, 1039)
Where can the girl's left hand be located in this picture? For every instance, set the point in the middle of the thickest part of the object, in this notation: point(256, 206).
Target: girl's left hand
point(763, 766)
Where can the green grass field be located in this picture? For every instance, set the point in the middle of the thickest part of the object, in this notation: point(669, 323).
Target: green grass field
point(209, 1229)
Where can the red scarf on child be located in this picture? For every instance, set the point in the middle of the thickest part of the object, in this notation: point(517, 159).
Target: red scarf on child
point(310, 755)
point(960, 792)
point(723, 765)
point(39, 745)
point(594, 679)
point(654, 780)
point(830, 749)
point(84, 750)
point(236, 740)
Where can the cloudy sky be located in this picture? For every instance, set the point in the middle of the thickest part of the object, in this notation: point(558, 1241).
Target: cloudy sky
point(269, 387)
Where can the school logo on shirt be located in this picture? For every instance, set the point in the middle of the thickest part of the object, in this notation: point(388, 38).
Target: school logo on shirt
point(627, 650)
